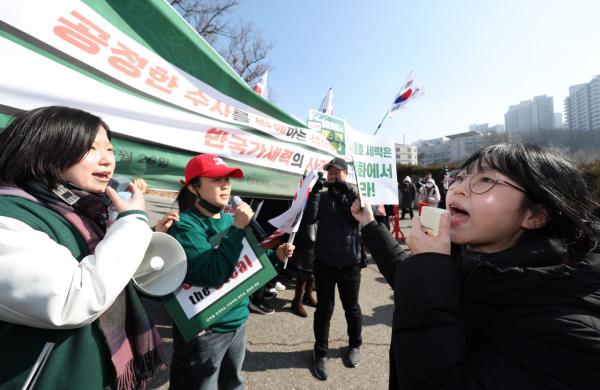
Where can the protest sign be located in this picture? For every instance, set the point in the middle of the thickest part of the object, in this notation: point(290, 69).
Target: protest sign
point(196, 308)
point(374, 162)
point(332, 128)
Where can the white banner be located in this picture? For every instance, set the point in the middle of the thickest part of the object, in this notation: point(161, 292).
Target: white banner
point(77, 30)
point(50, 83)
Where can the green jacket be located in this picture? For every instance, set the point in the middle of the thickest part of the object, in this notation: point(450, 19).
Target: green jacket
point(210, 266)
point(80, 358)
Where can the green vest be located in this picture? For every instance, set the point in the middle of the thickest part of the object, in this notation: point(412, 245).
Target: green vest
point(80, 358)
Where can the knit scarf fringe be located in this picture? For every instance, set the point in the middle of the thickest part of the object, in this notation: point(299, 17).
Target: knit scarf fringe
point(138, 372)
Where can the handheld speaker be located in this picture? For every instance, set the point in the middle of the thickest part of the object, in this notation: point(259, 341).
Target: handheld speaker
point(163, 268)
point(430, 219)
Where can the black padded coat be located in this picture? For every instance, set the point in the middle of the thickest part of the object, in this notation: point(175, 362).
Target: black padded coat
point(517, 319)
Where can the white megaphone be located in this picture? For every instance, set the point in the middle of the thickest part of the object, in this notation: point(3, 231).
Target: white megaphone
point(163, 268)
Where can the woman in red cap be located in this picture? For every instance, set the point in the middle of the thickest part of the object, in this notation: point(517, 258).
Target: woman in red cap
point(213, 359)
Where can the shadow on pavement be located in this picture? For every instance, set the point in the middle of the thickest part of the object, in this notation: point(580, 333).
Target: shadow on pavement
point(382, 315)
point(261, 361)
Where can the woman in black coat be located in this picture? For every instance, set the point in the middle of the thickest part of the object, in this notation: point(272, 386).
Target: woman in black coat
point(302, 268)
point(408, 193)
point(515, 303)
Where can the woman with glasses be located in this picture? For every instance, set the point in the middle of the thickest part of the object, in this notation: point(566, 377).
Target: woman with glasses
point(507, 296)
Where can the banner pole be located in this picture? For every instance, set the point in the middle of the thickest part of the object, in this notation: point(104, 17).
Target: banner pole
point(381, 123)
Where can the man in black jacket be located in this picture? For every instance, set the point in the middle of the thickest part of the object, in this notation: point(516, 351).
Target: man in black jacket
point(337, 261)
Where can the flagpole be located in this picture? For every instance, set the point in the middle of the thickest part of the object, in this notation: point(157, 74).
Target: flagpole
point(381, 123)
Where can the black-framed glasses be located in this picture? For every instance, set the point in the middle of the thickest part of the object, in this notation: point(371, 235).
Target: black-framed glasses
point(479, 183)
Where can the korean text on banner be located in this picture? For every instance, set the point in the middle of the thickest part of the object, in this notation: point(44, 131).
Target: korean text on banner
point(86, 39)
point(331, 127)
point(374, 166)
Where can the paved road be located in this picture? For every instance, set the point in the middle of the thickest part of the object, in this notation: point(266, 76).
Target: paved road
point(279, 350)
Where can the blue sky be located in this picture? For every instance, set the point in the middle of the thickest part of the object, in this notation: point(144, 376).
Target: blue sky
point(473, 58)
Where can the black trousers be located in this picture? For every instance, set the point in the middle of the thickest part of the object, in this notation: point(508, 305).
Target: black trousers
point(348, 282)
point(410, 211)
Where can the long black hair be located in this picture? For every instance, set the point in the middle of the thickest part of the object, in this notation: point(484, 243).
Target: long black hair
point(551, 181)
point(42, 143)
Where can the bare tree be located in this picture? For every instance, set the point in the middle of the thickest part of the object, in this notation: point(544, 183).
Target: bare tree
point(241, 45)
point(247, 52)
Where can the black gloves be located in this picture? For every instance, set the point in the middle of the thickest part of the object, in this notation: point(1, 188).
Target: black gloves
point(343, 187)
point(318, 186)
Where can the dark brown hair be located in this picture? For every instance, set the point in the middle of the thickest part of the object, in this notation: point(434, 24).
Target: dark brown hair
point(39, 145)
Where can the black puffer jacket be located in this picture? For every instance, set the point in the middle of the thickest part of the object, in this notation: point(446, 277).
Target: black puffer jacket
point(337, 235)
point(518, 319)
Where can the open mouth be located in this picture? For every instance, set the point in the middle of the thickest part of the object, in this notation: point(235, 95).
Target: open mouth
point(102, 176)
point(458, 214)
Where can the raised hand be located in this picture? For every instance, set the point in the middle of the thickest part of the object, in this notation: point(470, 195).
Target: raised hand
point(242, 216)
point(166, 222)
point(285, 250)
point(141, 184)
point(136, 202)
point(420, 242)
point(364, 215)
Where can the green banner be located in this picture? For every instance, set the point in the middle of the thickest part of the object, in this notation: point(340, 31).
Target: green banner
point(4, 119)
point(162, 168)
point(332, 128)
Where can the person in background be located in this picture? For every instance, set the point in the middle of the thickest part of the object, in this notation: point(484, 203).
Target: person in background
point(408, 194)
point(337, 262)
point(64, 277)
point(212, 359)
point(301, 265)
point(266, 209)
point(430, 193)
point(167, 220)
point(443, 191)
point(514, 303)
point(380, 214)
point(421, 182)
point(389, 213)
point(258, 300)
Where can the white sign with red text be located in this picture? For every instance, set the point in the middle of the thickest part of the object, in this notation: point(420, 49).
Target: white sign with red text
point(75, 29)
point(194, 299)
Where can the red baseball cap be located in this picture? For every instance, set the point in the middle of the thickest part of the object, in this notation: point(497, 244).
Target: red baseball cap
point(209, 165)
